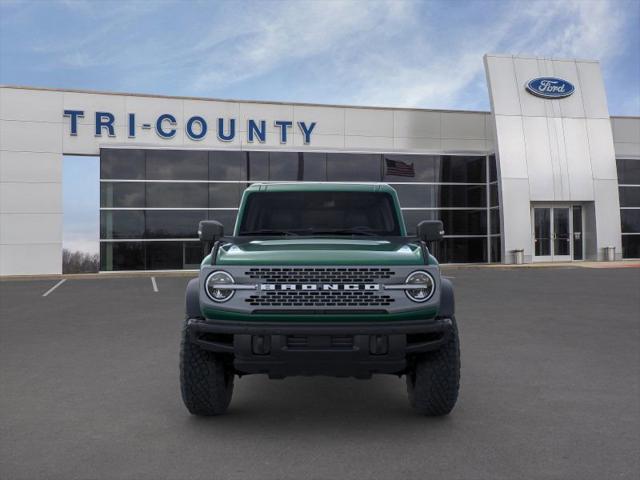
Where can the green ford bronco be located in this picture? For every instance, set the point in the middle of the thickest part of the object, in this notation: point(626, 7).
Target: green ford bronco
point(319, 279)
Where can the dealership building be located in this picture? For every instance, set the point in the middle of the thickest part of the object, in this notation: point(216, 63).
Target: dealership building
point(546, 175)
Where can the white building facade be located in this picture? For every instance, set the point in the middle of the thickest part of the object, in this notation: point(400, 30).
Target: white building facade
point(547, 174)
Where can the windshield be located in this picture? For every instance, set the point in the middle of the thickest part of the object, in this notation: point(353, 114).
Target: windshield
point(318, 213)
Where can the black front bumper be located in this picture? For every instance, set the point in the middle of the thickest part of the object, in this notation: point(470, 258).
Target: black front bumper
point(343, 350)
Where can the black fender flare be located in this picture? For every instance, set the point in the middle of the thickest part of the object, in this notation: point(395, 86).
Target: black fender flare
point(192, 299)
point(447, 299)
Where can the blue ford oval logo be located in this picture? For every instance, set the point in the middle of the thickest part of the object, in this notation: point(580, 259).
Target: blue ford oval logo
point(550, 87)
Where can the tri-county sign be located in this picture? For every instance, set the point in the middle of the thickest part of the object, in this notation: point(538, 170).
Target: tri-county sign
point(550, 87)
point(196, 127)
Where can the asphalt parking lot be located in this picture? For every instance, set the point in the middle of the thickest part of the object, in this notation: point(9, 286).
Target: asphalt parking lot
point(550, 389)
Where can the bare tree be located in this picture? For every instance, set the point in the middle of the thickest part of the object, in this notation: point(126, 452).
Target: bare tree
point(79, 262)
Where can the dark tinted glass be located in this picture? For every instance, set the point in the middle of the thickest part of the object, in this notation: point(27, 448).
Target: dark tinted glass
point(226, 218)
point(494, 216)
point(173, 223)
point(459, 195)
point(164, 255)
point(629, 196)
point(462, 169)
point(631, 246)
point(464, 222)
point(494, 199)
point(122, 164)
point(455, 222)
point(413, 217)
point(177, 195)
point(194, 252)
point(460, 250)
point(410, 168)
point(306, 213)
point(284, 166)
point(121, 224)
point(227, 165)
point(628, 171)
point(314, 167)
point(223, 195)
point(496, 253)
point(258, 167)
point(493, 168)
point(118, 195)
point(438, 196)
point(177, 165)
point(122, 256)
point(353, 167)
point(630, 221)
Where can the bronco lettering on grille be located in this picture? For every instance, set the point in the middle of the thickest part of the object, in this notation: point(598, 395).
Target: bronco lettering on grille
point(320, 286)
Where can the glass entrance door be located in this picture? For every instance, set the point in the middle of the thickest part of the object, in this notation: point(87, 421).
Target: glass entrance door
point(557, 233)
point(561, 234)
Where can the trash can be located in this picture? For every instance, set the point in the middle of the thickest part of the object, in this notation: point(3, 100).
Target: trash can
point(609, 254)
point(518, 257)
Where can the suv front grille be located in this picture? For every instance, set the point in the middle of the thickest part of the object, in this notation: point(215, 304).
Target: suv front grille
point(336, 298)
point(319, 274)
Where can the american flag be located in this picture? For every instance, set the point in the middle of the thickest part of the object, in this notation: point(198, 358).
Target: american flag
point(399, 168)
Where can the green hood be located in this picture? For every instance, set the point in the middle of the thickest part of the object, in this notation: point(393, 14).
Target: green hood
point(321, 251)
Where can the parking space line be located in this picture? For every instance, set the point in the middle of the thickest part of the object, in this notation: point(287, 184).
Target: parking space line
point(54, 287)
point(154, 284)
point(448, 278)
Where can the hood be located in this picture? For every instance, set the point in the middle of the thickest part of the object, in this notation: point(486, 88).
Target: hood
point(321, 251)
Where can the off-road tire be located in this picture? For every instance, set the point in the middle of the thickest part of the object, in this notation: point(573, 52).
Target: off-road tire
point(434, 379)
point(206, 379)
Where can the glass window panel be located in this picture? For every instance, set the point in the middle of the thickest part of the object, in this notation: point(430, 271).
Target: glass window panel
point(194, 252)
point(542, 231)
point(410, 168)
point(413, 217)
point(225, 165)
point(122, 256)
point(285, 166)
point(460, 195)
point(122, 195)
point(124, 164)
point(494, 216)
point(493, 169)
point(631, 246)
point(164, 255)
point(628, 171)
point(494, 199)
point(177, 195)
point(630, 221)
point(226, 217)
point(121, 224)
point(414, 196)
point(177, 165)
point(353, 167)
point(461, 169)
point(629, 196)
point(496, 252)
point(258, 166)
point(314, 167)
point(173, 223)
point(438, 196)
point(222, 195)
point(460, 250)
point(464, 222)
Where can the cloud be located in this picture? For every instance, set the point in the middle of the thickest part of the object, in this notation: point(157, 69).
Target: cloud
point(392, 53)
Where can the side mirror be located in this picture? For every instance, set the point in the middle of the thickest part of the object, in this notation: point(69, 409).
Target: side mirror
point(210, 231)
point(430, 230)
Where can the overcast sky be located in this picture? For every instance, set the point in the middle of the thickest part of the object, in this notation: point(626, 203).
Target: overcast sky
point(391, 53)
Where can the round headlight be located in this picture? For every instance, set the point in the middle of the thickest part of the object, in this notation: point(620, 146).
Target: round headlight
point(215, 286)
point(425, 286)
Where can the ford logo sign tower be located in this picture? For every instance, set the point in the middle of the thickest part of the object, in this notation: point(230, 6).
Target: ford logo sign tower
point(550, 87)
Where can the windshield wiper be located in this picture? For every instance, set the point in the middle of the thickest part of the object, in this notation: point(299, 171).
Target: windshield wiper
point(268, 231)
